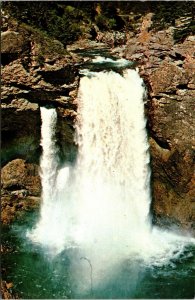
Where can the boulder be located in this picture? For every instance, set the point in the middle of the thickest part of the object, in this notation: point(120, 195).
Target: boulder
point(12, 42)
point(21, 178)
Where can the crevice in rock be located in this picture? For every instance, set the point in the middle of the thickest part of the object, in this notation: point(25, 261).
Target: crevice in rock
point(44, 97)
point(58, 77)
point(15, 187)
point(38, 94)
point(64, 91)
point(172, 92)
point(55, 104)
point(161, 143)
point(158, 97)
point(162, 56)
point(177, 56)
point(21, 86)
point(182, 86)
point(7, 58)
point(7, 135)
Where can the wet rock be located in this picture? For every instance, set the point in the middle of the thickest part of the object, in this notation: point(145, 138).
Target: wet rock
point(6, 290)
point(9, 285)
point(21, 178)
point(13, 207)
point(20, 193)
point(173, 186)
point(20, 127)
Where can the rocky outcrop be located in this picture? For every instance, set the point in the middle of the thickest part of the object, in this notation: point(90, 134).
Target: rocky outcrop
point(6, 290)
point(168, 69)
point(169, 73)
point(36, 71)
point(20, 189)
point(20, 175)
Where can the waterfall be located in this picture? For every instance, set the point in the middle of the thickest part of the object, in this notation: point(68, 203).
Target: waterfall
point(101, 205)
point(112, 168)
point(50, 230)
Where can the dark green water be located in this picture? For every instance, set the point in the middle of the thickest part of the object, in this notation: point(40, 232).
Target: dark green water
point(107, 65)
point(36, 275)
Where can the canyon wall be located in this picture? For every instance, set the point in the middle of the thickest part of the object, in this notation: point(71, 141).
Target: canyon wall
point(168, 69)
point(39, 71)
point(36, 71)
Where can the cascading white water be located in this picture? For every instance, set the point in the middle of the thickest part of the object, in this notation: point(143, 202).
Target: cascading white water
point(54, 181)
point(101, 205)
point(112, 172)
point(113, 186)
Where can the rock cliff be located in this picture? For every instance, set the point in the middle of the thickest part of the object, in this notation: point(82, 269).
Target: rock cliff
point(39, 71)
point(36, 71)
point(169, 72)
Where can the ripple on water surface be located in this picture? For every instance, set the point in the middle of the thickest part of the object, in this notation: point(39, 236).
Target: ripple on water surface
point(37, 275)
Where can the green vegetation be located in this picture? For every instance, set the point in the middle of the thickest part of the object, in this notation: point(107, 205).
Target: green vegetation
point(58, 21)
point(68, 20)
point(166, 14)
point(65, 21)
point(184, 31)
point(48, 47)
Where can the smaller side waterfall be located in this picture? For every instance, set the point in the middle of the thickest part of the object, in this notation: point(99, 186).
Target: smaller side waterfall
point(50, 230)
point(49, 160)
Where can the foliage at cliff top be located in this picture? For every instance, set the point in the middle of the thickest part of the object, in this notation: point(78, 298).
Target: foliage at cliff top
point(68, 20)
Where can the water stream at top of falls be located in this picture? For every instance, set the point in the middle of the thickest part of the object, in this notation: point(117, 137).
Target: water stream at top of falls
point(101, 205)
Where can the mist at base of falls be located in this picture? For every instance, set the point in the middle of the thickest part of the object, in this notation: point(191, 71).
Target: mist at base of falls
point(99, 209)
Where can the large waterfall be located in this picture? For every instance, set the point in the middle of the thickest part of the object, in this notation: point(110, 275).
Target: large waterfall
point(112, 168)
point(100, 206)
